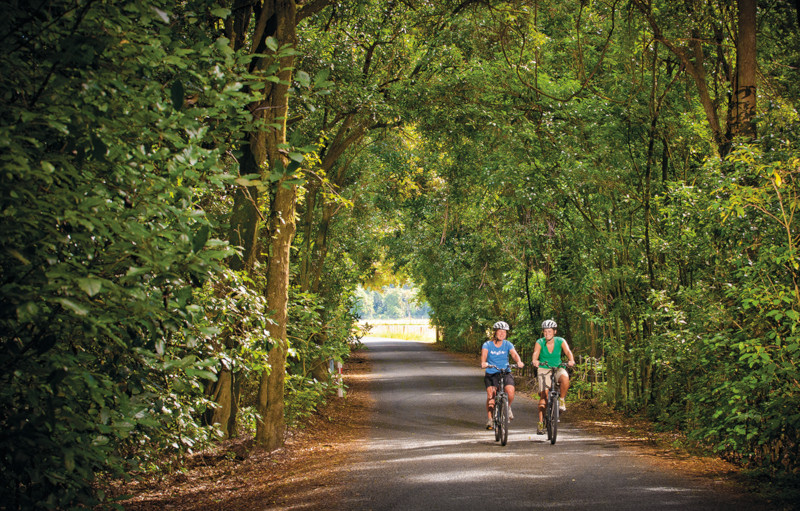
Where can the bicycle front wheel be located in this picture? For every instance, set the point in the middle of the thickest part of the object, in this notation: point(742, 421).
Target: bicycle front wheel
point(504, 421)
point(554, 420)
point(496, 419)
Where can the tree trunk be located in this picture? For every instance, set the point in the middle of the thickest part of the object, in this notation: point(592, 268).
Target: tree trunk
point(245, 218)
point(693, 60)
point(243, 232)
point(222, 394)
point(308, 229)
point(271, 428)
point(745, 93)
point(277, 18)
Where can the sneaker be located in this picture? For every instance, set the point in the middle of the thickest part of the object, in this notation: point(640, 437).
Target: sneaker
point(510, 414)
point(562, 405)
point(540, 429)
point(489, 424)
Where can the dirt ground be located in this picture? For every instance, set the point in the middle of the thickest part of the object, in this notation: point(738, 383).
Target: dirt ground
point(237, 476)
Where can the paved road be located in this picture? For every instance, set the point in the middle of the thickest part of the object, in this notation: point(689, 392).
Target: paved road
point(428, 450)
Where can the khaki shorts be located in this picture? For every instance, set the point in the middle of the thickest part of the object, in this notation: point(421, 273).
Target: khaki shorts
point(543, 377)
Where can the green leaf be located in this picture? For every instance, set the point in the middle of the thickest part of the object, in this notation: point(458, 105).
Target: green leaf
point(293, 182)
point(74, 307)
point(210, 330)
point(91, 286)
point(161, 14)
point(321, 77)
point(27, 312)
point(303, 78)
point(200, 238)
point(18, 256)
point(100, 440)
point(247, 182)
point(177, 92)
point(133, 271)
point(69, 460)
point(202, 373)
point(99, 148)
point(293, 167)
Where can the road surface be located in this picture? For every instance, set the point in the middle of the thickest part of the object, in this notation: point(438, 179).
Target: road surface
point(428, 449)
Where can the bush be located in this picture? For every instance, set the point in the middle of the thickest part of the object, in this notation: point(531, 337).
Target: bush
point(103, 243)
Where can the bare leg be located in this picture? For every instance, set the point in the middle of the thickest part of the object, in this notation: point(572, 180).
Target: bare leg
point(564, 381)
point(490, 392)
point(542, 405)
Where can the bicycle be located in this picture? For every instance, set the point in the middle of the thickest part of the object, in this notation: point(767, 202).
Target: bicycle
point(500, 413)
point(551, 410)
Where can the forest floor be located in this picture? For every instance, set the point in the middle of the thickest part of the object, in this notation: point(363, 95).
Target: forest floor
point(237, 476)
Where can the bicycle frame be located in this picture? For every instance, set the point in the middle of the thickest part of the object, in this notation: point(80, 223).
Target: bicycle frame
point(501, 407)
point(551, 410)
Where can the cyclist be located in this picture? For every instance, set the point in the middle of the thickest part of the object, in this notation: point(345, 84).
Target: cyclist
point(549, 349)
point(496, 352)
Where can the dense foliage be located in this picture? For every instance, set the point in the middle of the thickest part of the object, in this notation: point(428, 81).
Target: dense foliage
point(115, 123)
point(568, 167)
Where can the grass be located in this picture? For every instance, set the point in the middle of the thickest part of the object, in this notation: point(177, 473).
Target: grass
point(408, 329)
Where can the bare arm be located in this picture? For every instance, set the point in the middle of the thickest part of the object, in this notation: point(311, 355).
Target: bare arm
point(484, 354)
point(515, 356)
point(536, 351)
point(565, 349)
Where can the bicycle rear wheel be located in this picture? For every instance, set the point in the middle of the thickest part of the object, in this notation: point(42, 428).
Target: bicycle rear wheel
point(554, 419)
point(504, 421)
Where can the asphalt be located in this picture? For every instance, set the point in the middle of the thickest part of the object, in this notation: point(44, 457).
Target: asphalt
point(428, 449)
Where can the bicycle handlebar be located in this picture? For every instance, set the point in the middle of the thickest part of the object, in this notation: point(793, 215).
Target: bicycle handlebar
point(510, 366)
point(545, 365)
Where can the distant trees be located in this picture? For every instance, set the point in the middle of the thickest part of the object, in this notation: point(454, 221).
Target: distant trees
point(390, 303)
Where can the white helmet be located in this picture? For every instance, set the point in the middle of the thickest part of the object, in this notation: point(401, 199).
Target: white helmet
point(549, 323)
point(501, 325)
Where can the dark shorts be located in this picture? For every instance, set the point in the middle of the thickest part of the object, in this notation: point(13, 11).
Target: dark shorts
point(493, 380)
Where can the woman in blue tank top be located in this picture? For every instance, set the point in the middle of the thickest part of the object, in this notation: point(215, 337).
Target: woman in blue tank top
point(496, 352)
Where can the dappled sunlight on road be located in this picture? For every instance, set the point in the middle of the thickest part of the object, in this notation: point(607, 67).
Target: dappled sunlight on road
point(428, 449)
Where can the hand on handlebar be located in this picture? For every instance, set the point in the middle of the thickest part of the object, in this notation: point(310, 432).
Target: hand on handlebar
point(545, 365)
point(485, 365)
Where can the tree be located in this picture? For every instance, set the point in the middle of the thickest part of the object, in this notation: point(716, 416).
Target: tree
point(107, 156)
point(708, 24)
point(266, 154)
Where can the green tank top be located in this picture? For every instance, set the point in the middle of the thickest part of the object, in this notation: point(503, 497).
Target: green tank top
point(554, 358)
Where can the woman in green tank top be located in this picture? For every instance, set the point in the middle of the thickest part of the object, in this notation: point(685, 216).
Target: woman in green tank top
point(548, 350)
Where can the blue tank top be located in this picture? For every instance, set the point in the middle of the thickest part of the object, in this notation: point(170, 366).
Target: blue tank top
point(497, 356)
